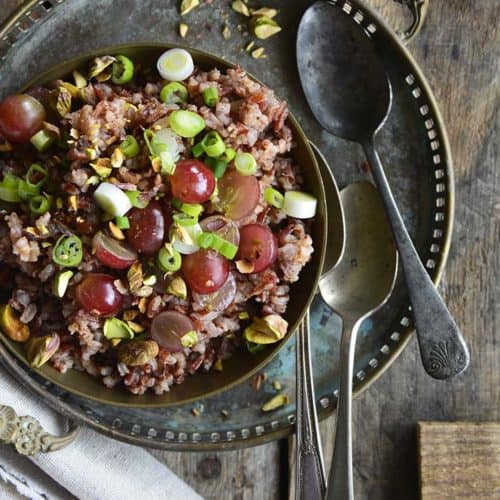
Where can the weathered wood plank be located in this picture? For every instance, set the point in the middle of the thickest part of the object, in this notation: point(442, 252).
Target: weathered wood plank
point(459, 460)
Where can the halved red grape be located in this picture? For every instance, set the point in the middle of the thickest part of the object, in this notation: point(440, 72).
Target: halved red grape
point(169, 327)
point(222, 226)
point(205, 271)
point(113, 253)
point(219, 300)
point(21, 116)
point(147, 228)
point(238, 194)
point(258, 245)
point(97, 293)
point(192, 181)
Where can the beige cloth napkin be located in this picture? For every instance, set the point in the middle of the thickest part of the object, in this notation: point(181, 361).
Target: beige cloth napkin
point(93, 467)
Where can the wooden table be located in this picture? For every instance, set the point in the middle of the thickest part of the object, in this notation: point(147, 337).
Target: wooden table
point(458, 50)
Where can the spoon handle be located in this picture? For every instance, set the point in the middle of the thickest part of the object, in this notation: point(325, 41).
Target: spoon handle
point(340, 479)
point(442, 347)
point(310, 481)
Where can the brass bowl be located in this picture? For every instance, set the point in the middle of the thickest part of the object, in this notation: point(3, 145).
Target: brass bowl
point(242, 364)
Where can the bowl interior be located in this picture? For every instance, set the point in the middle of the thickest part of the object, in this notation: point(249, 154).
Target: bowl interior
point(243, 364)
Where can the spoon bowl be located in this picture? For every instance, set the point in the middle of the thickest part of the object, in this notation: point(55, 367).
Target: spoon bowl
point(362, 281)
point(344, 81)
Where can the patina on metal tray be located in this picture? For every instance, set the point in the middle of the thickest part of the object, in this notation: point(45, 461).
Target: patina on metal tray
point(416, 155)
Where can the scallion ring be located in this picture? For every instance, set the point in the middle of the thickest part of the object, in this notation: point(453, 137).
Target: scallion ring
point(42, 140)
point(123, 70)
point(136, 199)
point(217, 165)
point(37, 176)
point(8, 189)
point(169, 261)
point(197, 150)
point(129, 147)
point(122, 222)
point(228, 155)
point(217, 243)
point(185, 220)
point(245, 164)
point(210, 96)
point(39, 205)
point(213, 144)
point(26, 190)
point(68, 251)
point(174, 93)
point(186, 123)
point(273, 197)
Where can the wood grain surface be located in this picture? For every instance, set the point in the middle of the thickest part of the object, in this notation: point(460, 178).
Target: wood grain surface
point(459, 51)
point(459, 460)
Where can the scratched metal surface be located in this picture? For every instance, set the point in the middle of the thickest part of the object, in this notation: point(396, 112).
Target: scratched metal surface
point(420, 182)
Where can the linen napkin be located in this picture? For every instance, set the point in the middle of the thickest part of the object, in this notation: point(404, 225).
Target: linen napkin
point(93, 467)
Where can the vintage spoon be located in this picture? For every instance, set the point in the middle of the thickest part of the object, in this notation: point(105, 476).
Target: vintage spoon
point(349, 93)
point(310, 480)
point(355, 288)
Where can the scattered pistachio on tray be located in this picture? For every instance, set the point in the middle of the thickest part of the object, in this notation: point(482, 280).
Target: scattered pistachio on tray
point(275, 402)
point(276, 385)
point(264, 11)
point(226, 32)
point(263, 27)
point(240, 7)
point(258, 380)
point(258, 53)
point(183, 29)
point(188, 5)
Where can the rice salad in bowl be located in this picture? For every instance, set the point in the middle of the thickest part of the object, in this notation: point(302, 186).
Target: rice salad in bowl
point(152, 220)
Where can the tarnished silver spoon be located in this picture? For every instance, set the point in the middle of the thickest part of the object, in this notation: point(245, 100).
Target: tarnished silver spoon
point(355, 288)
point(349, 93)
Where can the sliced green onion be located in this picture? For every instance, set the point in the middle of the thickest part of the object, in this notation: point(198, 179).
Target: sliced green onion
point(175, 64)
point(129, 147)
point(213, 144)
point(210, 96)
point(115, 328)
point(9, 188)
point(299, 205)
point(254, 348)
point(39, 204)
point(123, 70)
point(42, 140)
point(206, 240)
point(192, 209)
point(186, 123)
point(32, 176)
point(228, 155)
point(197, 150)
point(217, 165)
point(217, 243)
point(61, 282)
point(245, 164)
point(68, 251)
point(228, 250)
point(169, 259)
point(273, 197)
point(26, 190)
point(167, 163)
point(185, 238)
point(122, 222)
point(174, 93)
point(112, 199)
point(136, 199)
point(185, 220)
